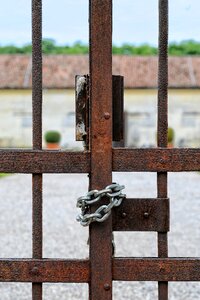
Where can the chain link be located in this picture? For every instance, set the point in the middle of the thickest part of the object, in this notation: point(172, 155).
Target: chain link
point(113, 192)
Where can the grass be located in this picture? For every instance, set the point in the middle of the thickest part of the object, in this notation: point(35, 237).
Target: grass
point(2, 175)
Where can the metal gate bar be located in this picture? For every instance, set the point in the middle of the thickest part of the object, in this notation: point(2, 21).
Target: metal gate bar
point(37, 137)
point(100, 286)
point(123, 160)
point(78, 271)
point(162, 126)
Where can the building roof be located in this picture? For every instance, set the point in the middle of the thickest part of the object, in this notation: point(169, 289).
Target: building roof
point(59, 71)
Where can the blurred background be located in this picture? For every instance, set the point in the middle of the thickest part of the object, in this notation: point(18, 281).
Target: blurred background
point(65, 48)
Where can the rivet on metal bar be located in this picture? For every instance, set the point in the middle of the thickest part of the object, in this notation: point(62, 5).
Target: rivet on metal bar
point(113, 192)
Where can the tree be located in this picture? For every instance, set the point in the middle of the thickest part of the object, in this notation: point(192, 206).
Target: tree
point(49, 46)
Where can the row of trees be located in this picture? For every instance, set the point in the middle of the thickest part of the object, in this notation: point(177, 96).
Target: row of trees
point(49, 46)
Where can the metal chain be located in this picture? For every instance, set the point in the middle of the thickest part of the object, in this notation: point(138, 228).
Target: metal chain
point(113, 192)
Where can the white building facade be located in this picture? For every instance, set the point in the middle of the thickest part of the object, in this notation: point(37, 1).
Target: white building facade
point(59, 114)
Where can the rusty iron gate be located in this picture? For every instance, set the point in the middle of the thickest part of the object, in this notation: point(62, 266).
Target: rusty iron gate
point(99, 161)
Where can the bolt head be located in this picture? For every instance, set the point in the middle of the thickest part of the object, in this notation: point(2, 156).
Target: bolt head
point(106, 116)
point(35, 271)
point(146, 215)
point(106, 287)
point(162, 269)
point(124, 215)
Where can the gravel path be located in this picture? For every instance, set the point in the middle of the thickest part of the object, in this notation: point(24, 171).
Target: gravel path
point(65, 238)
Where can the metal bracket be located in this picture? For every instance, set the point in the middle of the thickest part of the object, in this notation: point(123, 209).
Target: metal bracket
point(82, 108)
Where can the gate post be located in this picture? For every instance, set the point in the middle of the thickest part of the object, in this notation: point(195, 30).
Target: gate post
point(101, 143)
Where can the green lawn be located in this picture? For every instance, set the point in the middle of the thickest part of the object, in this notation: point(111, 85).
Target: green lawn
point(4, 175)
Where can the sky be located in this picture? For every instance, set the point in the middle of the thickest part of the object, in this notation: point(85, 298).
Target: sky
point(66, 21)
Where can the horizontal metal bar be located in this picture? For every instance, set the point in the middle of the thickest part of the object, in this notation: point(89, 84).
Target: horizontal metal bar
point(41, 161)
point(142, 215)
point(78, 271)
point(44, 270)
point(156, 160)
point(156, 269)
point(124, 160)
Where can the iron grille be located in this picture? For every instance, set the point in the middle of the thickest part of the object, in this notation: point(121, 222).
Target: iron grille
point(99, 161)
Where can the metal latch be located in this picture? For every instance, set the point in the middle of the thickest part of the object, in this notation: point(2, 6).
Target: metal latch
point(83, 103)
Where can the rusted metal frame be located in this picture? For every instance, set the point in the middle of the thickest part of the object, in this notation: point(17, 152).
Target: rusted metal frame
point(100, 286)
point(78, 271)
point(82, 109)
point(162, 127)
point(37, 136)
point(118, 109)
point(44, 270)
point(36, 161)
point(156, 269)
point(156, 160)
point(142, 215)
point(124, 160)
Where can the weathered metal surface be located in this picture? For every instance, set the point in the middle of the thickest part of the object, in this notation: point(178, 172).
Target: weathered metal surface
point(106, 101)
point(162, 125)
point(37, 73)
point(156, 160)
point(118, 108)
point(37, 135)
point(163, 74)
point(44, 270)
point(126, 269)
point(142, 215)
point(101, 143)
point(156, 269)
point(37, 228)
point(36, 161)
point(82, 108)
point(124, 160)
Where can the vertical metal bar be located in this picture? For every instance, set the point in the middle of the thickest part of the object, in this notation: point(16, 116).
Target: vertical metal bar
point(37, 136)
point(163, 125)
point(101, 142)
point(118, 109)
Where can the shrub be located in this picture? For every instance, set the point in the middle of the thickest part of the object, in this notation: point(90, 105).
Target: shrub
point(170, 135)
point(52, 136)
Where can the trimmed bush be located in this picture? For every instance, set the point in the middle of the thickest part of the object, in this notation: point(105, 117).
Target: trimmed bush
point(52, 136)
point(170, 135)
